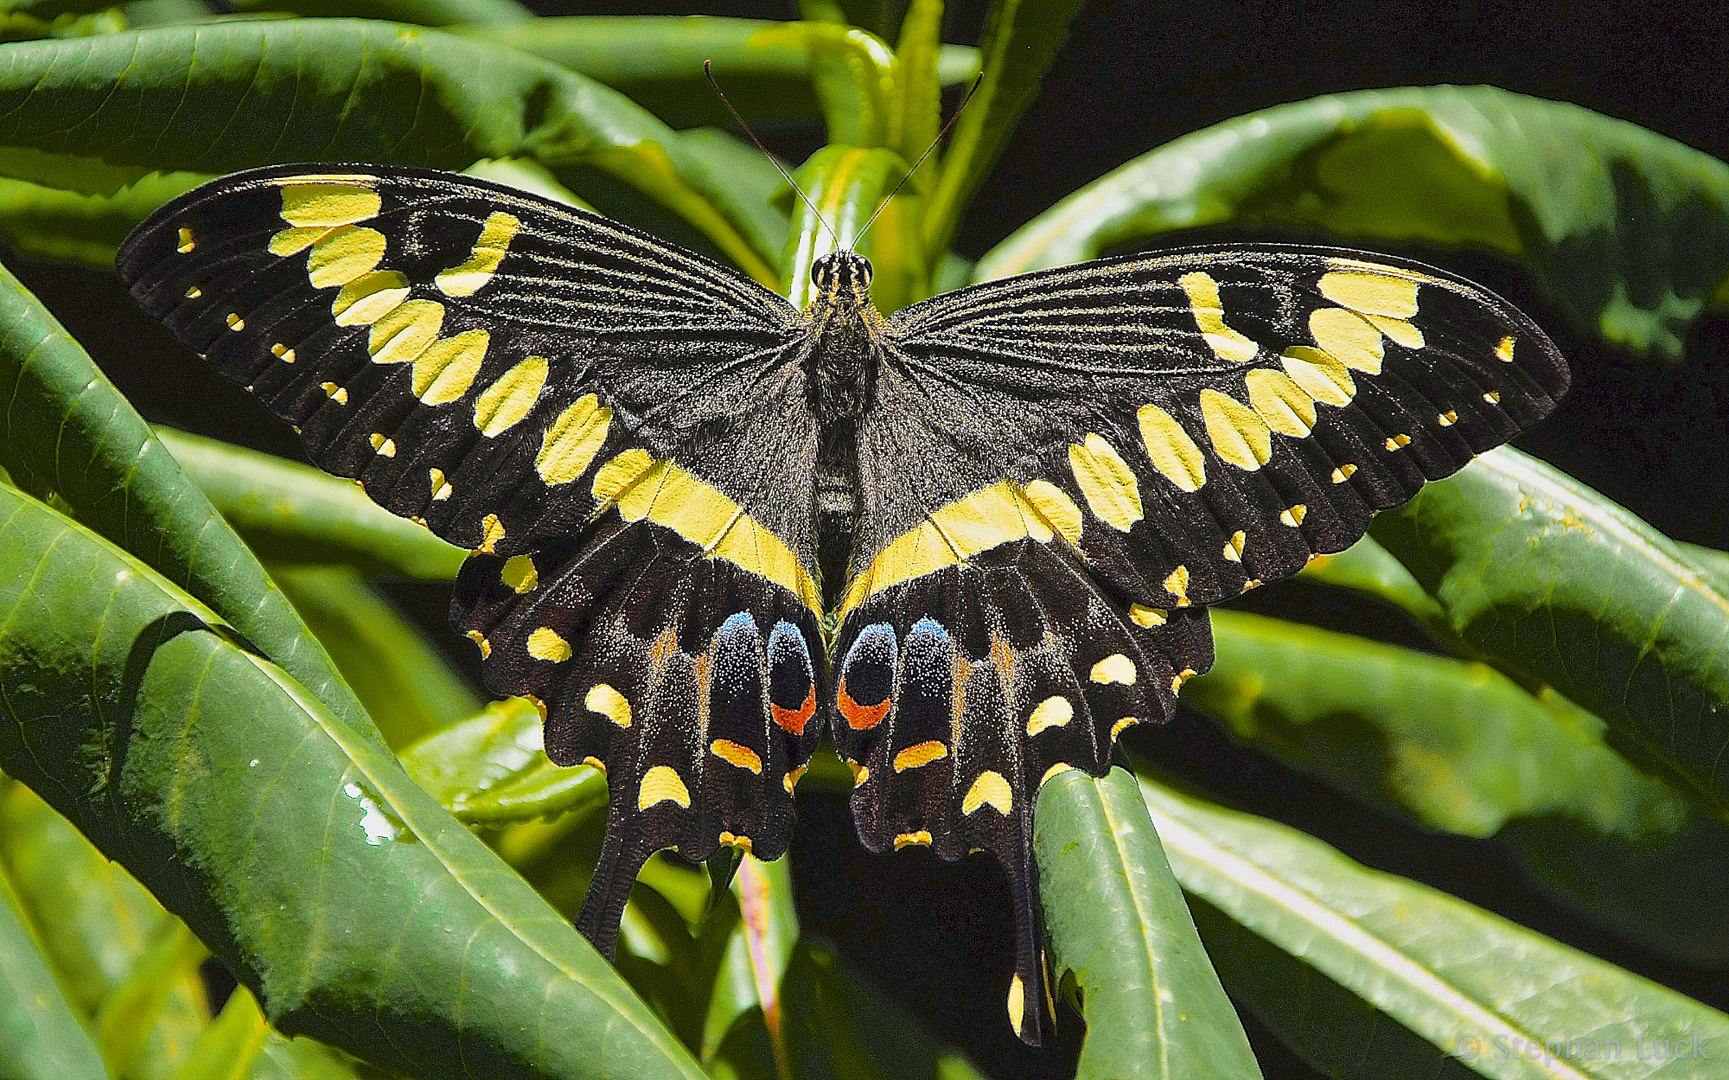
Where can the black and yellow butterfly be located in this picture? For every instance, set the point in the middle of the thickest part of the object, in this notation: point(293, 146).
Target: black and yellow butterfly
point(971, 541)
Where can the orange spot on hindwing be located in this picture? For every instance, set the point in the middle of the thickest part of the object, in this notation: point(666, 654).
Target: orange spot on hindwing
point(867, 677)
point(791, 688)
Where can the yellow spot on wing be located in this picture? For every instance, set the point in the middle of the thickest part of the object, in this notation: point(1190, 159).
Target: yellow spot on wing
point(921, 754)
point(668, 495)
point(1320, 375)
point(480, 639)
point(283, 353)
point(609, 703)
point(382, 444)
point(1059, 767)
point(1017, 1004)
point(922, 838)
point(1234, 546)
point(1054, 711)
point(313, 201)
point(404, 332)
point(859, 773)
point(1237, 432)
point(511, 396)
point(1398, 441)
point(1209, 312)
point(369, 298)
point(1051, 503)
point(1294, 515)
point(1350, 338)
point(737, 754)
point(440, 486)
point(1115, 668)
point(1178, 585)
point(1173, 451)
point(661, 784)
point(336, 393)
point(1504, 350)
point(1146, 616)
point(545, 644)
point(571, 441)
point(790, 780)
point(991, 790)
point(1286, 407)
point(1447, 419)
point(520, 573)
point(236, 323)
point(445, 371)
point(343, 254)
point(1343, 473)
point(489, 249)
point(728, 839)
point(187, 241)
point(987, 518)
point(1372, 292)
point(1107, 482)
point(1126, 722)
point(292, 240)
point(1492, 397)
point(491, 532)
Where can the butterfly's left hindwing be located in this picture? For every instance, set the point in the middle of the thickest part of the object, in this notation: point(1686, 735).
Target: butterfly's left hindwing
point(615, 426)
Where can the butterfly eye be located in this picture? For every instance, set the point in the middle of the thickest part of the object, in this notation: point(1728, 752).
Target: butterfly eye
point(822, 271)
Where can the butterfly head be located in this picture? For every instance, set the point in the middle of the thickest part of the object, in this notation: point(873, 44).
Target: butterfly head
point(841, 275)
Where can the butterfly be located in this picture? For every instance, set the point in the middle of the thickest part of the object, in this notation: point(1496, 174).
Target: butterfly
point(971, 541)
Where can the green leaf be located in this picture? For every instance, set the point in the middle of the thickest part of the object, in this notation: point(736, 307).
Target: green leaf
point(841, 1026)
point(1367, 567)
point(272, 91)
point(419, 12)
point(1627, 230)
point(493, 768)
point(290, 512)
point(1471, 984)
point(1021, 40)
point(1325, 1024)
point(1567, 589)
point(1116, 919)
point(230, 1045)
point(918, 92)
point(407, 688)
point(758, 953)
point(54, 224)
point(66, 429)
point(1455, 744)
point(128, 1016)
point(657, 61)
point(40, 1036)
point(93, 922)
point(353, 906)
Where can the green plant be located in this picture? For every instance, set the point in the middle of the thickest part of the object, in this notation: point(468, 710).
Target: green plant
point(232, 737)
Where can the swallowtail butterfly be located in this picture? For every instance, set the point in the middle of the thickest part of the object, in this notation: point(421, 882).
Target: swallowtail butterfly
point(971, 541)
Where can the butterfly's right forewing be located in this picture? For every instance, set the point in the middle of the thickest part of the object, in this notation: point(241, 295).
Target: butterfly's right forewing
point(616, 427)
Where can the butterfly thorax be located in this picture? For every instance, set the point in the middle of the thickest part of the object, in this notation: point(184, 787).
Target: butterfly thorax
point(841, 358)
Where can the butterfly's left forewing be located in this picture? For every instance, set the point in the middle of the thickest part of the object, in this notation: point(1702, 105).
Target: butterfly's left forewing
point(616, 427)
point(1061, 470)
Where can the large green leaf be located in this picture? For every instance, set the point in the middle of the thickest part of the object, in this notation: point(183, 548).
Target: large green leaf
point(420, 12)
point(1625, 228)
point(658, 60)
point(219, 97)
point(1116, 919)
point(1458, 745)
point(67, 430)
point(95, 926)
point(338, 891)
point(291, 512)
point(1565, 588)
point(407, 687)
point(1021, 39)
point(1504, 1000)
point(40, 1036)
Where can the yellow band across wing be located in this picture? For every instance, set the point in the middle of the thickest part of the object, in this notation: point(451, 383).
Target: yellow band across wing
point(655, 489)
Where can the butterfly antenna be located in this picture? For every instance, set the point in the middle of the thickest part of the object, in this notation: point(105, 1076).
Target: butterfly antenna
point(929, 150)
point(708, 69)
